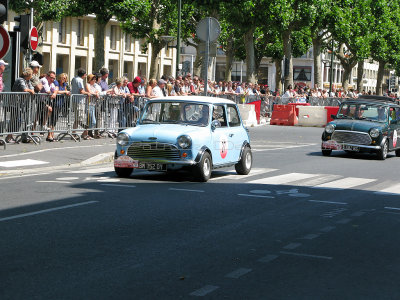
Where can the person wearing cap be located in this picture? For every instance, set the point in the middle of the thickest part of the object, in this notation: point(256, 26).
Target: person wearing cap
point(35, 80)
point(159, 90)
point(134, 86)
point(3, 65)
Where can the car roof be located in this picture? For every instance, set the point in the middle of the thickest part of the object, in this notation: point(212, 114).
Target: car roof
point(373, 99)
point(203, 99)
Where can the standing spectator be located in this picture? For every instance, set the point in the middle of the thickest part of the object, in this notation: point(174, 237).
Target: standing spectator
point(142, 86)
point(34, 65)
point(159, 91)
point(60, 105)
point(133, 86)
point(3, 65)
point(91, 105)
point(22, 84)
point(103, 82)
point(241, 88)
point(45, 107)
point(149, 89)
point(78, 88)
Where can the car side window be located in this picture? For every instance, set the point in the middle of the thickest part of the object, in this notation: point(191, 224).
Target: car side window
point(233, 116)
point(219, 115)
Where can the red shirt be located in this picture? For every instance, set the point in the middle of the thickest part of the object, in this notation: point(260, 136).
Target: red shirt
point(132, 88)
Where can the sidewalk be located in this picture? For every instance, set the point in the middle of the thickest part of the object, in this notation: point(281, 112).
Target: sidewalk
point(26, 158)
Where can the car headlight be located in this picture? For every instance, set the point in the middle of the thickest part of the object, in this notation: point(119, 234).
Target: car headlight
point(329, 128)
point(122, 139)
point(374, 132)
point(184, 141)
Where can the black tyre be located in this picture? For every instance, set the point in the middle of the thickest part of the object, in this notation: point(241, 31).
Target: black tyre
point(243, 167)
point(202, 171)
point(397, 152)
point(382, 153)
point(326, 152)
point(123, 172)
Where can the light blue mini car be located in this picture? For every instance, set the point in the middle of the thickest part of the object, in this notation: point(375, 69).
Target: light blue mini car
point(194, 133)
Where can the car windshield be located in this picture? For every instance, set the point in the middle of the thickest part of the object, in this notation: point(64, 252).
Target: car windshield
point(361, 111)
point(176, 113)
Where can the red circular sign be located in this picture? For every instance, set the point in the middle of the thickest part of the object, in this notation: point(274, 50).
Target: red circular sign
point(34, 38)
point(4, 42)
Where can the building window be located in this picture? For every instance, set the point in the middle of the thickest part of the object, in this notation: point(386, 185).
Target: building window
point(142, 42)
point(302, 73)
point(128, 42)
point(61, 31)
point(80, 33)
point(113, 37)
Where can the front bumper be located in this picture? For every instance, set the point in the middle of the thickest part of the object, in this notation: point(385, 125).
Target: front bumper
point(333, 145)
point(125, 161)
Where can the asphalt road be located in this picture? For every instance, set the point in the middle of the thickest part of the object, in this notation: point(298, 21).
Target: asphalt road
point(299, 226)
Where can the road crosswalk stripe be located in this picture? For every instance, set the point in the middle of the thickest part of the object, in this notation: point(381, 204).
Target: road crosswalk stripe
point(283, 179)
point(253, 172)
point(345, 183)
point(394, 189)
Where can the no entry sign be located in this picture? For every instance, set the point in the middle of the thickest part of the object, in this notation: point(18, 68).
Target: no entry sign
point(34, 38)
point(4, 42)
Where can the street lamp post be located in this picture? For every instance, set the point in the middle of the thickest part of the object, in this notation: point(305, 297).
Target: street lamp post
point(178, 42)
point(331, 71)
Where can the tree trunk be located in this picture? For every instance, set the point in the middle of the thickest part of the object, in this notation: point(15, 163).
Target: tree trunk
point(379, 79)
point(197, 65)
point(250, 56)
point(360, 75)
point(346, 76)
point(229, 53)
point(155, 50)
point(99, 60)
point(278, 76)
point(287, 50)
point(317, 62)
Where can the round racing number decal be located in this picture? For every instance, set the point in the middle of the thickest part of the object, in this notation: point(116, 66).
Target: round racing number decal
point(223, 146)
point(394, 138)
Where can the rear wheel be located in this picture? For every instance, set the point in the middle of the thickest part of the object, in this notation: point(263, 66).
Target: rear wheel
point(202, 171)
point(243, 167)
point(123, 172)
point(326, 152)
point(382, 153)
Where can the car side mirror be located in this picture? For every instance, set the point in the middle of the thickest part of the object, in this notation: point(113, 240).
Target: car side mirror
point(333, 117)
point(215, 124)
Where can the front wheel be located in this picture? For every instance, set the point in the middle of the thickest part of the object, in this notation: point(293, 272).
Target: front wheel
point(123, 172)
point(326, 152)
point(202, 171)
point(382, 153)
point(243, 167)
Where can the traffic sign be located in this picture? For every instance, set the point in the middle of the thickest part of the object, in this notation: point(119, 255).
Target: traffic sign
point(4, 42)
point(208, 29)
point(34, 38)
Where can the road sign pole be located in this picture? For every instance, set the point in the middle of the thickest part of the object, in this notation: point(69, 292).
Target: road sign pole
point(206, 58)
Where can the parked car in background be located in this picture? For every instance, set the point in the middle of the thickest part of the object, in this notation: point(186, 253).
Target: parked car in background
point(366, 124)
point(199, 134)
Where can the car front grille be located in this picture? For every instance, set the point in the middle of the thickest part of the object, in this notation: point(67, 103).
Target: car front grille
point(351, 137)
point(145, 150)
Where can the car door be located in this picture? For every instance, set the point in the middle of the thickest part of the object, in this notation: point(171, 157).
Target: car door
point(394, 128)
point(222, 147)
point(237, 134)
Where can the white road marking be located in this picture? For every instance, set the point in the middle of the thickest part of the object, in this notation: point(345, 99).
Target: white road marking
point(282, 148)
point(204, 290)
point(109, 180)
point(306, 255)
point(238, 273)
point(253, 172)
point(394, 190)
point(186, 190)
point(260, 192)
point(282, 179)
point(256, 196)
point(46, 211)
point(292, 246)
point(52, 181)
point(392, 208)
point(358, 214)
point(22, 163)
point(322, 178)
point(327, 228)
point(268, 258)
point(67, 178)
point(119, 185)
point(328, 202)
point(343, 221)
point(345, 183)
point(93, 170)
point(25, 175)
point(310, 236)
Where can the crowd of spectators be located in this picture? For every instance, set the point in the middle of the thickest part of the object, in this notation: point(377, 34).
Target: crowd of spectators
point(88, 114)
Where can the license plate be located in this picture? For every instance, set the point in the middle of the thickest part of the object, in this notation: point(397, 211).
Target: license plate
point(151, 166)
point(351, 148)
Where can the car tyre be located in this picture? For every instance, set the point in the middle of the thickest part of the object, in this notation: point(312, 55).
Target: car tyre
point(382, 153)
point(397, 152)
point(202, 171)
point(123, 172)
point(326, 152)
point(243, 167)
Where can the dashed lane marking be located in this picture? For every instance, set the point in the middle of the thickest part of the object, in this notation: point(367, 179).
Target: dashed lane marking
point(67, 178)
point(268, 258)
point(46, 211)
point(292, 246)
point(93, 170)
point(22, 163)
point(186, 190)
point(306, 255)
point(328, 202)
point(119, 185)
point(392, 208)
point(204, 290)
point(52, 181)
point(256, 196)
point(238, 273)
